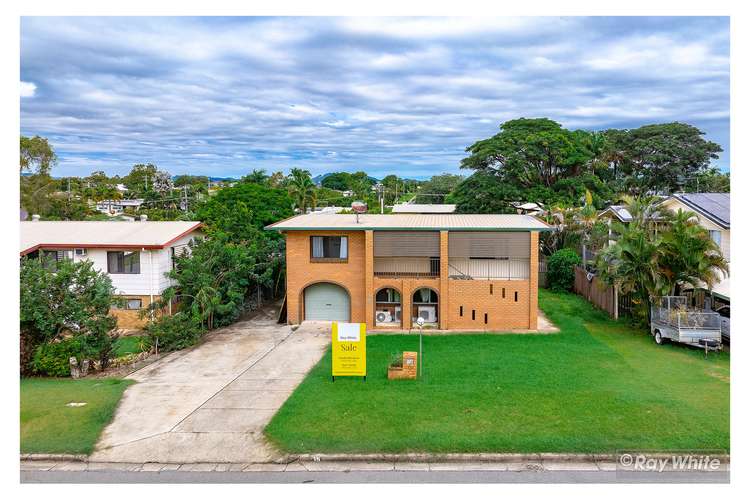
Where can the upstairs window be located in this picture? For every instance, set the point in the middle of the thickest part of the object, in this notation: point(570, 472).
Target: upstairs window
point(329, 248)
point(50, 258)
point(124, 262)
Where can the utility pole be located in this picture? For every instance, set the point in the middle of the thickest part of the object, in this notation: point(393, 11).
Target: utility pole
point(185, 198)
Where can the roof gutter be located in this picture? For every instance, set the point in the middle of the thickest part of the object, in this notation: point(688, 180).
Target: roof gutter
point(375, 228)
point(110, 245)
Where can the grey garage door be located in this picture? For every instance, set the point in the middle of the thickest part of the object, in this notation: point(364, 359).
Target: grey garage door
point(326, 301)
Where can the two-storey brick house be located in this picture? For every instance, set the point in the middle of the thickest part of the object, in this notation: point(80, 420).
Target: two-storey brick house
point(456, 271)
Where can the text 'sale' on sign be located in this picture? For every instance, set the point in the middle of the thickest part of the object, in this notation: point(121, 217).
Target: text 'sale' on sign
point(349, 348)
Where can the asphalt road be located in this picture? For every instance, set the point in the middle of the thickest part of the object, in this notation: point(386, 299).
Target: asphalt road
point(564, 476)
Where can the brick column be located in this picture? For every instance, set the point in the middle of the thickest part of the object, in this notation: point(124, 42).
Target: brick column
point(406, 292)
point(533, 280)
point(443, 299)
point(369, 280)
point(292, 293)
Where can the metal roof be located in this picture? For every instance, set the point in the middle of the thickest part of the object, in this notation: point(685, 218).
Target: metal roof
point(619, 211)
point(102, 234)
point(412, 222)
point(714, 206)
point(424, 208)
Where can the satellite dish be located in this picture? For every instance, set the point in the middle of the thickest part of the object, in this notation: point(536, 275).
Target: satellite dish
point(359, 207)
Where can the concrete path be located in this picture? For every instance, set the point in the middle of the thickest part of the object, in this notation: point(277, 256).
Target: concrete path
point(211, 403)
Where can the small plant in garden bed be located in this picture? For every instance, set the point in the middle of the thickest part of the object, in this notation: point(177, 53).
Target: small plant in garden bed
point(397, 360)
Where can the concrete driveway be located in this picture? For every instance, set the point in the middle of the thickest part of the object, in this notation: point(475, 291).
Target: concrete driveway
point(211, 403)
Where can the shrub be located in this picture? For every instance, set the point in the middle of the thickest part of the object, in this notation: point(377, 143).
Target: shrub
point(561, 269)
point(174, 332)
point(397, 360)
point(53, 359)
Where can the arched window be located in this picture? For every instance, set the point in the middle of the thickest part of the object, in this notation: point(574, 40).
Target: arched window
point(387, 307)
point(425, 305)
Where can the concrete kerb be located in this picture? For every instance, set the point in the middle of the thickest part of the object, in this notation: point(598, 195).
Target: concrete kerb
point(447, 457)
point(54, 457)
point(404, 457)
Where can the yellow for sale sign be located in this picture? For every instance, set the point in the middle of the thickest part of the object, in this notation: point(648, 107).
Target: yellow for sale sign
point(349, 347)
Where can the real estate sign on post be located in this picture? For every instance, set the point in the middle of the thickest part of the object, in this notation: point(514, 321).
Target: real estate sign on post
point(349, 348)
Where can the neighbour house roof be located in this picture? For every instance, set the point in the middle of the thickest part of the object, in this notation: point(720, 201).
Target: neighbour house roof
point(420, 208)
point(412, 222)
point(713, 206)
point(619, 211)
point(102, 234)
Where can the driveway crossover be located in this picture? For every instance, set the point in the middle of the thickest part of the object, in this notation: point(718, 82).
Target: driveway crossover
point(211, 403)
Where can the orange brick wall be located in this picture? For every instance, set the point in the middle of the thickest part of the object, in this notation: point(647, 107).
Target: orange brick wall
point(475, 295)
point(130, 319)
point(534, 281)
point(300, 272)
point(406, 287)
point(356, 276)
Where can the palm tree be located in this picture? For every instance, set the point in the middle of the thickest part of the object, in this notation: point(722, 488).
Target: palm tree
point(633, 266)
point(301, 188)
point(657, 252)
point(691, 257)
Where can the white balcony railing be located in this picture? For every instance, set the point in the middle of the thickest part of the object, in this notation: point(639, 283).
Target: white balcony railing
point(488, 269)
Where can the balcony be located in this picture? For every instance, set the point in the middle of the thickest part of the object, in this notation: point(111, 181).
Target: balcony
point(488, 268)
point(406, 267)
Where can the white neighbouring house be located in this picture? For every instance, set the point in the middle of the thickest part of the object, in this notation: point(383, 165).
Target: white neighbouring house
point(117, 207)
point(136, 255)
point(713, 213)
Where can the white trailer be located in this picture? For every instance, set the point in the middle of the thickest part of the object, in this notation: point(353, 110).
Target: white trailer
point(672, 320)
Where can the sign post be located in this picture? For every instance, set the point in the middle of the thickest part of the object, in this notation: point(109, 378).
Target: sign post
point(349, 350)
point(420, 324)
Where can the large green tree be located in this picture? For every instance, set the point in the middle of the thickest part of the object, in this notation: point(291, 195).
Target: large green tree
point(438, 188)
point(61, 299)
point(236, 210)
point(664, 157)
point(528, 152)
point(214, 279)
point(484, 193)
point(340, 181)
point(37, 155)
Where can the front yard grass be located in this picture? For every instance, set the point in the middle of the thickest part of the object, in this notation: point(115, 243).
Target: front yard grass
point(132, 344)
point(597, 386)
point(49, 426)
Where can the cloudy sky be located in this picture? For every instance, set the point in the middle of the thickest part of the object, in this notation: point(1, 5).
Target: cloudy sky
point(223, 96)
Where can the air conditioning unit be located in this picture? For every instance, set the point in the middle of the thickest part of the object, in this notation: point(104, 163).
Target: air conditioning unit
point(398, 313)
point(383, 317)
point(427, 313)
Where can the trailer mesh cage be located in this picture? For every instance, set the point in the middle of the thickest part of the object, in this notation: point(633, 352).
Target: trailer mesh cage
point(674, 311)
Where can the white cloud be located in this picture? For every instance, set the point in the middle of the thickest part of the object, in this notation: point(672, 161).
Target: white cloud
point(407, 95)
point(28, 89)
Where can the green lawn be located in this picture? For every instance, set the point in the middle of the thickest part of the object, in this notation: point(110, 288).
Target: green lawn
point(598, 386)
point(49, 426)
point(130, 345)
